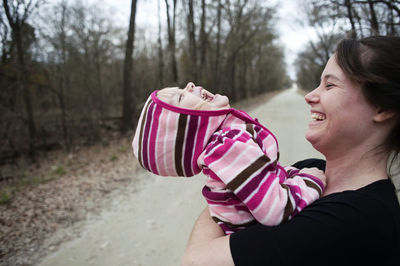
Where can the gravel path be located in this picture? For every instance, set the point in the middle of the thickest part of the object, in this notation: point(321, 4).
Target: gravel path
point(150, 226)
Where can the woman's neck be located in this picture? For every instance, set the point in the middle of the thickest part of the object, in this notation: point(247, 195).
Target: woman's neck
point(352, 172)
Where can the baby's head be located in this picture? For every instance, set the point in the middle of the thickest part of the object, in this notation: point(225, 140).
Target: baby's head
point(192, 97)
point(174, 128)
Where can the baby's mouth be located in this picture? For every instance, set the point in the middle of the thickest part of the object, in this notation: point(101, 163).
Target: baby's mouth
point(206, 96)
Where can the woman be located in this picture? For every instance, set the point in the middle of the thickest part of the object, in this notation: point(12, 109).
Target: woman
point(355, 124)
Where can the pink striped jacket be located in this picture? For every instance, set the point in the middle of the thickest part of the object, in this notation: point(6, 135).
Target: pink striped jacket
point(245, 182)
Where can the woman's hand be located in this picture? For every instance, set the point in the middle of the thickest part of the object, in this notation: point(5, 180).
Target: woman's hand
point(314, 171)
point(207, 245)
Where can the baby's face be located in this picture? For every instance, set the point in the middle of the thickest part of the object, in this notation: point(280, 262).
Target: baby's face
point(193, 97)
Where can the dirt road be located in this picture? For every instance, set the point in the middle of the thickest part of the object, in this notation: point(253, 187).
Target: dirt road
point(150, 224)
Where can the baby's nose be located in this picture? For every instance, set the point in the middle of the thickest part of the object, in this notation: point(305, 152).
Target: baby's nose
point(190, 86)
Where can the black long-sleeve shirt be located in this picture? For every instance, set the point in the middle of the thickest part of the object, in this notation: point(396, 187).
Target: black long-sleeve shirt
point(360, 227)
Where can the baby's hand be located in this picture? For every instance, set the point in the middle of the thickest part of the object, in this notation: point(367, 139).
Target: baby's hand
point(315, 172)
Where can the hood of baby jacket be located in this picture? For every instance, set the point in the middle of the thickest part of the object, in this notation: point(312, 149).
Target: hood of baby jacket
point(169, 139)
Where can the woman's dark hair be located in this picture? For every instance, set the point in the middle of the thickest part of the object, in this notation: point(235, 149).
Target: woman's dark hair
point(374, 62)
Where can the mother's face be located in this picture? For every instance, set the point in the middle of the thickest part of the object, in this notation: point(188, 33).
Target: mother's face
point(341, 117)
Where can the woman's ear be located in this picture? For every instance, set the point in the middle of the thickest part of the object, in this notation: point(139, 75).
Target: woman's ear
point(382, 115)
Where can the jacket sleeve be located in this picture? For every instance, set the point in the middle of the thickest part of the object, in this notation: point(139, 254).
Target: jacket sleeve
point(271, 194)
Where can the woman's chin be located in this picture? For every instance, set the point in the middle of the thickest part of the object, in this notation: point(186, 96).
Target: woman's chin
point(312, 138)
point(316, 142)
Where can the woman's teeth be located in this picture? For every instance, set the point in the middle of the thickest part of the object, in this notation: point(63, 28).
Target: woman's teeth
point(318, 117)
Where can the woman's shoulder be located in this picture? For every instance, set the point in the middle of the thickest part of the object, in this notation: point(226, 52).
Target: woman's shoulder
point(362, 226)
point(374, 206)
point(381, 191)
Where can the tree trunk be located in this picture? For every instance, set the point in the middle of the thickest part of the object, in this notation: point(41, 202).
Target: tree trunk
point(128, 97)
point(391, 5)
point(171, 40)
point(390, 28)
point(218, 48)
point(174, 61)
point(16, 24)
point(243, 79)
point(64, 79)
point(203, 41)
point(192, 42)
point(232, 75)
point(348, 5)
point(360, 25)
point(99, 84)
point(374, 21)
point(160, 51)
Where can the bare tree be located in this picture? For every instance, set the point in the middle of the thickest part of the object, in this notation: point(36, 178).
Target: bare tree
point(59, 42)
point(3, 39)
point(17, 15)
point(160, 50)
point(203, 39)
point(82, 61)
point(349, 9)
point(128, 99)
point(373, 19)
point(218, 46)
point(247, 20)
point(366, 17)
point(171, 39)
point(191, 28)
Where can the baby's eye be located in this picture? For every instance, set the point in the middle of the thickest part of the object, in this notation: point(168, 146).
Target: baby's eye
point(180, 98)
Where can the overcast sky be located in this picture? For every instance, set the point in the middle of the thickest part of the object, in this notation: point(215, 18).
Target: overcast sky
point(293, 36)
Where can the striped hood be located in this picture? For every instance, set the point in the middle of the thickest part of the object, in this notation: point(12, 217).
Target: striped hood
point(169, 139)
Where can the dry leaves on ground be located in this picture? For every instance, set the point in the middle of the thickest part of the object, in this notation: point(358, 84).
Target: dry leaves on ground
point(79, 183)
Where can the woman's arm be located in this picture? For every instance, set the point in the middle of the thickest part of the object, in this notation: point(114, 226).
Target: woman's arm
point(207, 244)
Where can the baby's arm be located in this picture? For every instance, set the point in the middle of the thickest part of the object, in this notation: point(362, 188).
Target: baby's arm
point(305, 186)
point(237, 160)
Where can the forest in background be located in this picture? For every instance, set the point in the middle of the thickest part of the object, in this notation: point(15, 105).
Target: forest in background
point(334, 20)
point(69, 76)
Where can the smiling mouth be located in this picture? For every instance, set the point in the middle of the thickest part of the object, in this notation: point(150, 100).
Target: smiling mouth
point(206, 96)
point(318, 116)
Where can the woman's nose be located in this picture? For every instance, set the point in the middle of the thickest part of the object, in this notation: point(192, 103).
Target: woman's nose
point(311, 97)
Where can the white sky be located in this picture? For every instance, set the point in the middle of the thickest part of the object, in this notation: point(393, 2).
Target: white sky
point(293, 35)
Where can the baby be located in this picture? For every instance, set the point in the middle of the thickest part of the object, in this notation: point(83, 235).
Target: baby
point(182, 132)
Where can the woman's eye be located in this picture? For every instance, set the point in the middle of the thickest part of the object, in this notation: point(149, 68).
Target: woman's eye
point(329, 85)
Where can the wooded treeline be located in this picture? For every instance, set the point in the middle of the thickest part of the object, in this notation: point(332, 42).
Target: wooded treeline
point(69, 76)
point(334, 20)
